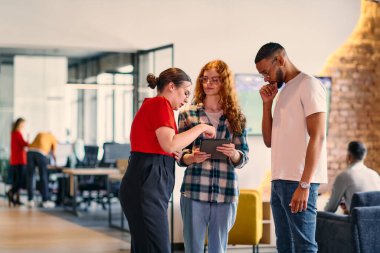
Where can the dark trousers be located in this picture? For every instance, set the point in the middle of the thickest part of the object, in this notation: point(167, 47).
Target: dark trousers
point(18, 177)
point(36, 159)
point(144, 196)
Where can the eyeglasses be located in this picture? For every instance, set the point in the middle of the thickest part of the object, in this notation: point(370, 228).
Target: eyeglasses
point(266, 73)
point(212, 80)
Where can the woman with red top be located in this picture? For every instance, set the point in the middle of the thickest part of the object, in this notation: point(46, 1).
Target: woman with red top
point(17, 161)
point(149, 180)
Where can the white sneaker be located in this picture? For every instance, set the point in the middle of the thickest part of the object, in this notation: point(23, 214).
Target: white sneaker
point(30, 204)
point(48, 204)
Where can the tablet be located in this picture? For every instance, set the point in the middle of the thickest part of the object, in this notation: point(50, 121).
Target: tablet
point(209, 146)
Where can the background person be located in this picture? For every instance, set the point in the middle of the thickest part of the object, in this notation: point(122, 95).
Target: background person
point(356, 178)
point(42, 147)
point(149, 180)
point(210, 187)
point(17, 161)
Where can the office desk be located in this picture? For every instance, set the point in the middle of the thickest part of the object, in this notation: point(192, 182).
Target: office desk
point(53, 167)
point(73, 176)
point(115, 177)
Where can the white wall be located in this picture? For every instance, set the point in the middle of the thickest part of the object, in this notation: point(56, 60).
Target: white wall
point(201, 30)
point(6, 107)
point(39, 94)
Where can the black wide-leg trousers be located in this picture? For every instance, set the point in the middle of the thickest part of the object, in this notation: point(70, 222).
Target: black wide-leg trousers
point(144, 196)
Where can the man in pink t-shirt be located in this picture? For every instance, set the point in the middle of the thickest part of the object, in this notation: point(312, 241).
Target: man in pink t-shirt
point(296, 135)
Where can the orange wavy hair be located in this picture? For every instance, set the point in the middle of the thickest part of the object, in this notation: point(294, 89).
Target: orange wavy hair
point(227, 93)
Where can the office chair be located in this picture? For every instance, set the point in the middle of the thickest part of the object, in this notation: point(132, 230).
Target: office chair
point(114, 151)
point(248, 227)
point(115, 155)
point(91, 184)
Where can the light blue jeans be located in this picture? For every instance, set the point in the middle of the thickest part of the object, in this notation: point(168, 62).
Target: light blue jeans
point(197, 216)
point(295, 232)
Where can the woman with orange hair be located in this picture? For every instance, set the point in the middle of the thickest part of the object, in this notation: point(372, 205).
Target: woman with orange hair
point(210, 188)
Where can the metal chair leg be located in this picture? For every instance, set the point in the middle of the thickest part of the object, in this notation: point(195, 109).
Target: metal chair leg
point(255, 248)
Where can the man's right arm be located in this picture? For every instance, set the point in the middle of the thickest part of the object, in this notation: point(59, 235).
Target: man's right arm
point(267, 93)
point(266, 126)
point(336, 194)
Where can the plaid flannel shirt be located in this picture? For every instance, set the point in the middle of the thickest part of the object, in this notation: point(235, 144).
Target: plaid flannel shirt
point(211, 180)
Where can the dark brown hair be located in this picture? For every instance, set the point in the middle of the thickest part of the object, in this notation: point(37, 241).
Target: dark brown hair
point(174, 75)
point(17, 123)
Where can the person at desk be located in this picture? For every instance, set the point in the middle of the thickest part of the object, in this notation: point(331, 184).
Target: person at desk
point(17, 161)
point(356, 178)
point(149, 180)
point(210, 187)
point(38, 155)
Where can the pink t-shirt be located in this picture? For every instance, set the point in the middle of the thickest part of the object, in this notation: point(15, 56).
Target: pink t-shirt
point(300, 97)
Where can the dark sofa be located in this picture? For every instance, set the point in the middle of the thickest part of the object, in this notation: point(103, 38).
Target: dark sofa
point(358, 232)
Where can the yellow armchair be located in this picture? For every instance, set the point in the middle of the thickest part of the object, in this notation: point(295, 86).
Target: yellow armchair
point(248, 227)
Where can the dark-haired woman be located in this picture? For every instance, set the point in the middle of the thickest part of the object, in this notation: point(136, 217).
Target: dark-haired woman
point(149, 180)
point(17, 161)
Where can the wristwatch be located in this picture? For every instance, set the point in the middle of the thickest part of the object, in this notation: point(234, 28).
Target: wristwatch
point(304, 185)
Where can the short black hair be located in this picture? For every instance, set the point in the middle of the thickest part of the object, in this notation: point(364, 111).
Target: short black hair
point(267, 51)
point(357, 150)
